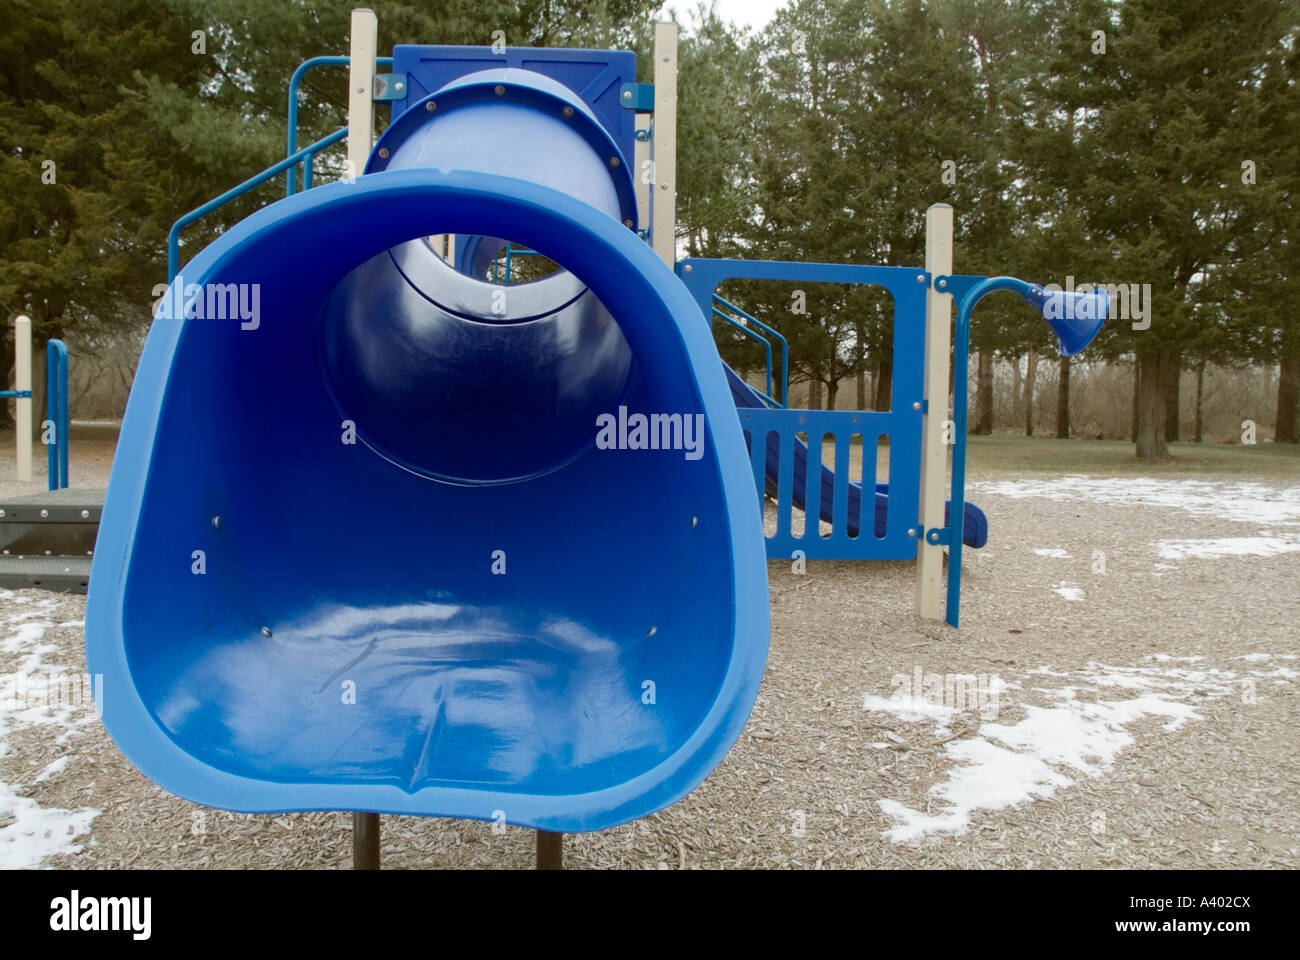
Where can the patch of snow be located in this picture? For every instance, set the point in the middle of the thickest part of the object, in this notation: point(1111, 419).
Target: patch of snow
point(1217, 549)
point(1069, 590)
point(36, 694)
point(1055, 552)
point(1075, 734)
point(1241, 501)
point(909, 708)
point(32, 832)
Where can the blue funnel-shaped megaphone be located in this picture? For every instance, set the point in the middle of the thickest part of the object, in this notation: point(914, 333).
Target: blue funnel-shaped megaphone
point(1075, 315)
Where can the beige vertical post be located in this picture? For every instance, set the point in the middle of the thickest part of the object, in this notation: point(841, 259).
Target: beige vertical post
point(361, 79)
point(663, 229)
point(23, 405)
point(934, 450)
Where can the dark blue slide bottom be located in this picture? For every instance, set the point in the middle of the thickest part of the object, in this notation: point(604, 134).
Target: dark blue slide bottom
point(975, 525)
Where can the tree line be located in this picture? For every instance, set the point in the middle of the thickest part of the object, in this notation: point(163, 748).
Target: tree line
point(1149, 144)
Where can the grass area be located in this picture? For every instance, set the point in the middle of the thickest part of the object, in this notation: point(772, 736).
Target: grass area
point(1010, 454)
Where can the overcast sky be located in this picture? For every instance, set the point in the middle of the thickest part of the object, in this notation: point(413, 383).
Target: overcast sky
point(753, 13)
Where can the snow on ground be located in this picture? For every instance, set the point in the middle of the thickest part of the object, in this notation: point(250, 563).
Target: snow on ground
point(36, 694)
point(1217, 549)
point(909, 707)
point(1077, 731)
point(1071, 591)
point(1234, 501)
point(1242, 501)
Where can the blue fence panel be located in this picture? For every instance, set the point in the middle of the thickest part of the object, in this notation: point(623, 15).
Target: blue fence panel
point(882, 524)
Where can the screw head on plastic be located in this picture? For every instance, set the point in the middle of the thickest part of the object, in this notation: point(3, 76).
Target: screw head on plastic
point(499, 90)
point(431, 106)
point(383, 152)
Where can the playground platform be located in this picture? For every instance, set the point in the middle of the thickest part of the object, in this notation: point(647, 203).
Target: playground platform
point(47, 538)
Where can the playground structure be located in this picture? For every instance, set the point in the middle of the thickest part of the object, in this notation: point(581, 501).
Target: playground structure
point(54, 429)
point(45, 539)
point(429, 587)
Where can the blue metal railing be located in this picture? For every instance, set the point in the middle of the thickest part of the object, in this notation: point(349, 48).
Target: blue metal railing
point(290, 180)
point(56, 412)
point(767, 346)
point(289, 165)
point(174, 235)
point(510, 250)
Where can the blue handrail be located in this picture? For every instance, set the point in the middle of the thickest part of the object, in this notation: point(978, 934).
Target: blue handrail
point(960, 374)
point(290, 184)
point(520, 252)
point(767, 346)
point(56, 412)
point(785, 346)
point(174, 235)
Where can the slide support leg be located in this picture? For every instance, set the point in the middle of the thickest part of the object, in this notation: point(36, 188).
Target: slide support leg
point(550, 850)
point(365, 841)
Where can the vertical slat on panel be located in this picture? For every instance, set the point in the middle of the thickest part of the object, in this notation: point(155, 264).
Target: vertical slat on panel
point(785, 482)
point(757, 455)
point(868, 528)
point(840, 505)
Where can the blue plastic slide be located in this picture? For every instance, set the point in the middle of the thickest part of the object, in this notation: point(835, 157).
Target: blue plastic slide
point(364, 551)
point(975, 526)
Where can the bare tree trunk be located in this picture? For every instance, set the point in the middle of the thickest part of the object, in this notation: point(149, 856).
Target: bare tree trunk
point(1063, 400)
point(984, 395)
point(814, 394)
point(1031, 369)
point(1151, 408)
point(1288, 389)
point(1015, 388)
point(1200, 398)
point(1133, 422)
point(884, 385)
point(832, 389)
point(860, 366)
point(1171, 366)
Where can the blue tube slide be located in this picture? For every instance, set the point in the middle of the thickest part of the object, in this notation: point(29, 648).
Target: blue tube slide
point(380, 548)
point(975, 527)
